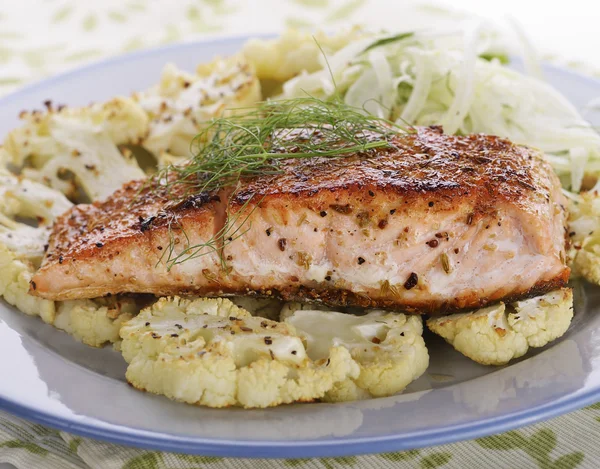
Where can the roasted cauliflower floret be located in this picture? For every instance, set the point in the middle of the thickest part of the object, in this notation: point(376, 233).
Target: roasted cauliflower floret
point(95, 322)
point(183, 102)
point(24, 199)
point(293, 52)
point(388, 348)
point(75, 149)
point(15, 277)
point(22, 245)
point(584, 233)
point(211, 352)
point(497, 334)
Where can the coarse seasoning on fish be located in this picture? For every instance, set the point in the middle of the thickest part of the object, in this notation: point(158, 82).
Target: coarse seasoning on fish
point(434, 224)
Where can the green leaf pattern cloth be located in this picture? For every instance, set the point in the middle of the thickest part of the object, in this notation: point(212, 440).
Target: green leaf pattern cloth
point(41, 38)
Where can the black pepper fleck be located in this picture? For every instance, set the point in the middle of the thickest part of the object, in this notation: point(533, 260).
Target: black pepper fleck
point(361, 261)
point(412, 281)
point(282, 243)
point(430, 204)
point(99, 245)
point(323, 213)
point(268, 340)
point(268, 231)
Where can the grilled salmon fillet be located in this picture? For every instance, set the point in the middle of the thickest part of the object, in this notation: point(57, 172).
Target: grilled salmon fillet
point(436, 224)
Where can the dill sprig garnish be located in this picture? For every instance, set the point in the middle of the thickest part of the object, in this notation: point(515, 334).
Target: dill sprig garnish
point(253, 142)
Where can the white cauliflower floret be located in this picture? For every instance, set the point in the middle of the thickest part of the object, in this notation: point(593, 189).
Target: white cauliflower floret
point(22, 245)
point(27, 200)
point(497, 334)
point(293, 52)
point(15, 277)
point(544, 318)
point(388, 348)
point(72, 149)
point(182, 103)
point(24, 198)
point(584, 233)
point(210, 352)
point(95, 322)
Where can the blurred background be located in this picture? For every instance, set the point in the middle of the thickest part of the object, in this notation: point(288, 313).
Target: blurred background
point(42, 37)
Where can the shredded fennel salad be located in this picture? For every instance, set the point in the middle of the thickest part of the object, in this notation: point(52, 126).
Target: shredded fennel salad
point(452, 79)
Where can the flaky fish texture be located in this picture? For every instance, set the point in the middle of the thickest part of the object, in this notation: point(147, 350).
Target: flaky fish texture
point(435, 224)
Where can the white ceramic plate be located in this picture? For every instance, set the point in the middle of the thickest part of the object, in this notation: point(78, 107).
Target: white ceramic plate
point(48, 377)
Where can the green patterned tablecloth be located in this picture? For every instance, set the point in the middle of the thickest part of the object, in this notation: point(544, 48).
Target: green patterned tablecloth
point(40, 38)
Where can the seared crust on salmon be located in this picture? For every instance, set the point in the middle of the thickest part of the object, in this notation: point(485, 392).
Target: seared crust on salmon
point(436, 224)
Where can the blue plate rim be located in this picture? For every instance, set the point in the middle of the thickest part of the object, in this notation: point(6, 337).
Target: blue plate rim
point(325, 447)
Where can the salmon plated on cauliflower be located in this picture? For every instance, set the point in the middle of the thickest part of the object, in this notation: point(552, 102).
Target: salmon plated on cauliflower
point(270, 228)
point(430, 224)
